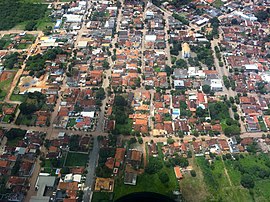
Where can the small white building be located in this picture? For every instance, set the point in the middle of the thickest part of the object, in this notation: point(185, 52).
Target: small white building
point(150, 38)
point(82, 44)
point(216, 85)
point(251, 67)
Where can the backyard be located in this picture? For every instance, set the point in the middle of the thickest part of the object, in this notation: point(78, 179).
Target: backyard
point(76, 159)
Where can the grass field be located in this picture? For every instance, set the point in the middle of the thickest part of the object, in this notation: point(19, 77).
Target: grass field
point(218, 3)
point(29, 120)
point(23, 46)
point(13, 142)
point(219, 185)
point(261, 190)
point(102, 197)
point(41, 23)
point(213, 184)
point(76, 159)
point(6, 118)
point(4, 86)
point(17, 97)
point(71, 122)
point(194, 188)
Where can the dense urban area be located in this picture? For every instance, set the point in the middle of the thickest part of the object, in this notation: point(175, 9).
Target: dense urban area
point(103, 98)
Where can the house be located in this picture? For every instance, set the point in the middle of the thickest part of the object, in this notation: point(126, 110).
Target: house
point(26, 168)
point(119, 156)
point(134, 157)
point(104, 184)
point(178, 173)
point(180, 73)
point(216, 85)
point(130, 178)
point(179, 84)
point(223, 145)
point(43, 183)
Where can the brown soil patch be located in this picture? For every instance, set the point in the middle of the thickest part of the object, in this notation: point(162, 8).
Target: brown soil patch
point(6, 75)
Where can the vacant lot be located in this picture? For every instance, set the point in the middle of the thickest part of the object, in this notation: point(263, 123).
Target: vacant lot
point(194, 188)
point(221, 179)
point(76, 159)
point(6, 79)
point(102, 197)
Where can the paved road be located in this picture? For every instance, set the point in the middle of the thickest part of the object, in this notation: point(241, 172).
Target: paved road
point(90, 177)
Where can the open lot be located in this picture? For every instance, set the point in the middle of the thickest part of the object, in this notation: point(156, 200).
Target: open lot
point(28, 120)
point(76, 159)
point(101, 197)
point(221, 180)
point(6, 79)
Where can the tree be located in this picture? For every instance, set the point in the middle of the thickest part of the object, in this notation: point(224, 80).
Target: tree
point(140, 140)
point(180, 161)
point(170, 141)
point(105, 65)
point(120, 101)
point(193, 173)
point(64, 170)
point(232, 130)
point(262, 15)
point(14, 133)
point(154, 165)
point(100, 94)
point(26, 108)
point(181, 63)
point(206, 89)
point(200, 112)
point(132, 140)
point(234, 22)
point(163, 177)
point(30, 25)
point(247, 181)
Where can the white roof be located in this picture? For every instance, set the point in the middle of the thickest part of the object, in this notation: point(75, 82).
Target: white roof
point(149, 13)
point(179, 83)
point(82, 44)
point(150, 37)
point(216, 83)
point(73, 18)
point(251, 67)
point(77, 178)
point(68, 177)
point(112, 8)
point(200, 22)
point(88, 114)
point(48, 44)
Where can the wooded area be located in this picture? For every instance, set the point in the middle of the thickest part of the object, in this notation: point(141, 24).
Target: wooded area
point(14, 12)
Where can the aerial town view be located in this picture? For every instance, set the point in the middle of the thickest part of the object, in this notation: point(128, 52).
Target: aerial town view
point(128, 100)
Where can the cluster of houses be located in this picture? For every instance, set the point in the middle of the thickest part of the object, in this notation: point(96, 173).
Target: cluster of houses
point(77, 109)
point(163, 114)
point(125, 162)
point(18, 161)
point(19, 41)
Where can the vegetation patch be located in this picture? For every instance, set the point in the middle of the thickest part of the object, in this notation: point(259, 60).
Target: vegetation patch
point(102, 197)
point(13, 12)
point(76, 159)
point(5, 85)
